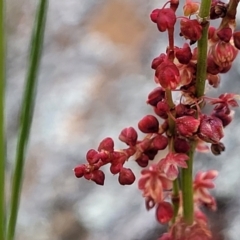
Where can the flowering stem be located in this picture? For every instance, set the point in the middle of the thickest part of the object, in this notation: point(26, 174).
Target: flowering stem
point(27, 113)
point(187, 187)
point(2, 121)
point(202, 48)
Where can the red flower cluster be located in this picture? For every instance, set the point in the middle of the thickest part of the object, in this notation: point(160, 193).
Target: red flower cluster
point(176, 125)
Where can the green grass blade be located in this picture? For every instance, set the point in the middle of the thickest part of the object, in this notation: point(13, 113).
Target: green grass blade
point(26, 114)
point(2, 120)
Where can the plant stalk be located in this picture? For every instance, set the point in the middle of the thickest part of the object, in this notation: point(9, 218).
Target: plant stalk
point(27, 113)
point(187, 178)
point(2, 119)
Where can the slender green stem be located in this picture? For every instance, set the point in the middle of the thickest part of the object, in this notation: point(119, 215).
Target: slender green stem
point(2, 120)
point(202, 49)
point(26, 114)
point(187, 188)
point(187, 178)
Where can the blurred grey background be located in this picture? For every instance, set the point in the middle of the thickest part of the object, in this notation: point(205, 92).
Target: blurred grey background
point(94, 80)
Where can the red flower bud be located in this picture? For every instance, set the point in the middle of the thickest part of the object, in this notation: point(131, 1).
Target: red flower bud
point(128, 136)
point(183, 55)
point(224, 116)
point(106, 144)
point(168, 75)
point(154, 15)
point(160, 142)
point(92, 156)
point(164, 212)
point(236, 39)
point(126, 176)
point(157, 95)
point(98, 177)
point(225, 34)
point(181, 145)
point(149, 124)
point(79, 170)
point(210, 129)
point(165, 18)
point(162, 110)
point(187, 125)
point(158, 60)
point(142, 161)
point(191, 29)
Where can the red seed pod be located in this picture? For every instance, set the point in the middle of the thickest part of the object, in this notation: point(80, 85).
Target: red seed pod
point(210, 129)
point(187, 125)
point(157, 95)
point(126, 176)
point(148, 124)
point(79, 170)
point(225, 34)
point(162, 110)
point(191, 29)
point(128, 136)
point(165, 18)
point(164, 212)
point(183, 55)
point(106, 144)
point(160, 142)
point(167, 75)
point(181, 145)
point(236, 39)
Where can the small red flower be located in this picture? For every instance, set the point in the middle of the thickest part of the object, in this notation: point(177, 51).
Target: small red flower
point(201, 184)
point(165, 18)
point(183, 55)
point(153, 183)
point(223, 53)
point(187, 125)
point(210, 129)
point(169, 165)
point(191, 29)
point(164, 212)
point(167, 75)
